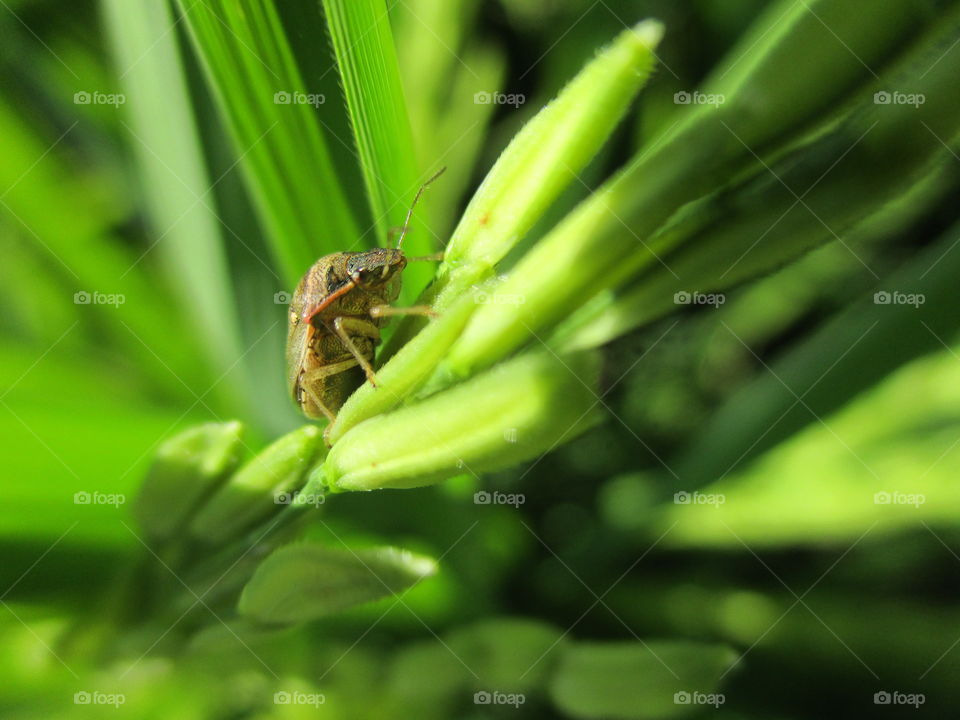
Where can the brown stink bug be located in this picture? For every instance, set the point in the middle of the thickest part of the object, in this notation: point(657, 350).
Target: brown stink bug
point(336, 315)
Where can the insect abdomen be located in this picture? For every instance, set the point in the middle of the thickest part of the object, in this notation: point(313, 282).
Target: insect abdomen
point(332, 380)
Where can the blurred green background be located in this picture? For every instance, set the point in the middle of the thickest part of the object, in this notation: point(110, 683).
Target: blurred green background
point(813, 553)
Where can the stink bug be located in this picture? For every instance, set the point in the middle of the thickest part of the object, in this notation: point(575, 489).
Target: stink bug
point(335, 319)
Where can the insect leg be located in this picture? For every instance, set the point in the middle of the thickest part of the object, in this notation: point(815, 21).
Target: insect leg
point(319, 403)
point(360, 327)
point(378, 311)
point(310, 378)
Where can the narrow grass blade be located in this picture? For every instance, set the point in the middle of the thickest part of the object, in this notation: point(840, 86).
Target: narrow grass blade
point(449, 76)
point(852, 352)
point(271, 113)
point(163, 136)
point(368, 67)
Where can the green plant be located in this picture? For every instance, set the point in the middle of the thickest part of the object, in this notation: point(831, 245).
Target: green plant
point(791, 173)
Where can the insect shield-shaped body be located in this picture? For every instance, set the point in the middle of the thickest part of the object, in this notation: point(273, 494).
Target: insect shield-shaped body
point(335, 326)
point(335, 319)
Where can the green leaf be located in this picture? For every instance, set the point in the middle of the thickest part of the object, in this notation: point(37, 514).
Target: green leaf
point(186, 469)
point(424, 680)
point(165, 139)
point(510, 654)
point(637, 680)
point(80, 252)
point(444, 66)
point(263, 486)
point(886, 461)
point(871, 159)
point(303, 582)
point(802, 59)
point(872, 156)
point(856, 349)
point(266, 105)
point(511, 413)
point(371, 81)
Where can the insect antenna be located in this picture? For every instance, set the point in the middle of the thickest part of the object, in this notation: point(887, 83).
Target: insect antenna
point(406, 223)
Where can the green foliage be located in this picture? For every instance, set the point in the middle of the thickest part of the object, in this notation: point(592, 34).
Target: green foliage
point(271, 113)
point(186, 469)
point(630, 680)
point(303, 582)
point(371, 81)
point(252, 493)
point(565, 497)
point(474, 427)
